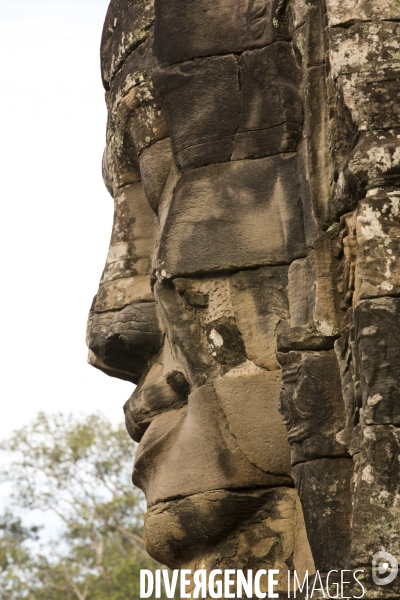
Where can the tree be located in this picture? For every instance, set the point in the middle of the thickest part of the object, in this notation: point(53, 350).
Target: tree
point(79, 470)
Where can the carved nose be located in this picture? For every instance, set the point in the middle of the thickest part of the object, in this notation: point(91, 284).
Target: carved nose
point(122, 343)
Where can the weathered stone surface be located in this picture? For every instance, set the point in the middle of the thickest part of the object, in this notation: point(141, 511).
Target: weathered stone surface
point(124, 30)
point(315, 164)
point(266, 142)
point(374, 162)
point(186, 30)
point(378, 244)
point(344, 13)
point(365, 60)
point(302, 338)
point(270, 82)
point(323, 269)
point(309, 39)
point(185, 333)
point(233, 215)
point(114, 9)
point(132, 237)
point(298, 290)
point(312, 425)
point(315, 302)
point(324, 487)
point(155, 166)
point(377, 325)
point(190, 92)
point(174, 443)
point(346, 353)
point(226, 342)
point(136, 116)
point(259, 305)
point(118, 293)
point(250, 404)
point(347, 270)
point(119, 168)
point(262, 112)
point(365, 69)
point(376, 512)
point(139, 119)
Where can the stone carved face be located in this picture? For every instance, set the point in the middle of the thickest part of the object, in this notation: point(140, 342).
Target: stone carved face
point(205, 117)
point(253, 156)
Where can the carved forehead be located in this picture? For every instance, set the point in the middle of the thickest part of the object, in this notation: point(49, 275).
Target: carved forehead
point(189, 29)
point(186, 30)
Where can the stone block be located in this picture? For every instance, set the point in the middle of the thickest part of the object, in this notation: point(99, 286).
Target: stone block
point(302, 338)
point(365, 62)
point(377, 324)
point(266, 142)
point(323, 265)
point(250, 405)
point(155, 165)
point(349, 11)
point(315, 166)
point(314, 156)
point(116, 294)
point(256, 97)
point(136, 115)
point(315, 302)
point(309, 39)
point(376, 513)
point(260, 303)
point(373, 163)
point(378, 245)
point(298, 293)
point(346, 352)
point(324, 488)
point(311, 404)
point(270, 83)
point(192, 92)
point(133, 235)
point(232, 216)
point(186, 30)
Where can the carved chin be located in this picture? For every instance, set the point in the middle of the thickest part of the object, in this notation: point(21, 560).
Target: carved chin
point(261, 528)
point(179, 530)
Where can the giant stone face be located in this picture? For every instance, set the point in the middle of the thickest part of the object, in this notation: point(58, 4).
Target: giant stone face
point(228, 160)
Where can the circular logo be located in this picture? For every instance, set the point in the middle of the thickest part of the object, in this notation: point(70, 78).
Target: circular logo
point(384, 563)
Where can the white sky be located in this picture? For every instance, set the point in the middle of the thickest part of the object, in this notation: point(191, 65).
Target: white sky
point(56, 215)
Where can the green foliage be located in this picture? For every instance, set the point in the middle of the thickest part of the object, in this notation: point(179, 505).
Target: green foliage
point(81, 472)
